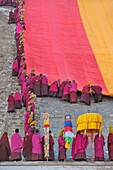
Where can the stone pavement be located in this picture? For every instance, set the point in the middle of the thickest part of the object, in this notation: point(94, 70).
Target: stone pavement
point(56, 108)
point(56, 165)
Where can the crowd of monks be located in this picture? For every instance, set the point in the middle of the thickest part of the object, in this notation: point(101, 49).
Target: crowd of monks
point(32, 85)
point(8, 3)
point(32, 147)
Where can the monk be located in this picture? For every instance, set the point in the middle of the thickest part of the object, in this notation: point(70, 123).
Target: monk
point(73, 92)
point(44, 85)
point(61, 147)
point(2, 2)
point(53, 90)
point(16, 146)
point(26, 124)
point(37, 85)
point(25, 92)
point(11, 17)
point(4, 147)
point(61, 89)
point(31, 81)
point(18, 99)
point(37, 154)
point(97, 91)
point(85, 96)
point(110, 143)
point(66, 93)
point(27, 146)
point(79, 146)
point(14, 3)
point(99, 147)
point(32, 126)
point(15, 68)
point(11, 103)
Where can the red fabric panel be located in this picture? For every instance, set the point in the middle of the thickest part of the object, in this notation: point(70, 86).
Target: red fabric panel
point(56, 42)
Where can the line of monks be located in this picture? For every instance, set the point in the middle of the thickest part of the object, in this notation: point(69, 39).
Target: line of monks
point(32, 85)
point(32, 147)
point(8, 3)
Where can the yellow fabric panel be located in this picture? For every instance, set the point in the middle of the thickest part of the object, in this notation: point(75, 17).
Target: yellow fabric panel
point(89, 121)
point(97, 18)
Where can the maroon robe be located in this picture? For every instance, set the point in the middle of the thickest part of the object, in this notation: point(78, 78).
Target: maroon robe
point(37, 86)
point(99, 147)
point(110, 146)
point(11, 104)
point(61, 149)
point(18, 100)
point(44, 86)
point(15, 68)
point(31, 81)
point(97, 93)
point(61, 89)
point(27, 147)
point(53, 89)
point(4, 148)
point(85, 96)
point(79, 146)
point(11, 18)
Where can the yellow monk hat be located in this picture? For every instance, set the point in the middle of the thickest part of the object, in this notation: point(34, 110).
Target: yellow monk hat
point(61, 132)
point(89, 83)
point(110, 129)
point(33, 123)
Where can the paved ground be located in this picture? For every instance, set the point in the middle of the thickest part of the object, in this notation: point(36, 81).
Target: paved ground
point(56, 108)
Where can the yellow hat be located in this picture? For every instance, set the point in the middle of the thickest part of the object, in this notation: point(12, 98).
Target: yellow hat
point(24, 72)
point(33, 69)
point(89, 83)
point(32, 95)
point(30, 120)
point(61, 132)
point(110, 129)
point(23, 63)
point(29, 108)
point(31, 101)
point(33, 123)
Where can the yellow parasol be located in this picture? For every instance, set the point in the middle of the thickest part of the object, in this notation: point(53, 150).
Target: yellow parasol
point(90, 123)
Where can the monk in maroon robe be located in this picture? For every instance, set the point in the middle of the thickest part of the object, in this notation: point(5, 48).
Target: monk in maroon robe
point(37, 85)
point(11, 17)
point(27, 146)
point(18, 99)
point(53, 90)
point(4, 148)
point(37, 153)
point(97, 91)
point(85, 96)
point(16, 146)
point(44, 85)
point(79, 146)
point(61, 89)
point(99, 144)
point(61, 147)
point(11, 103)
point(66, 92)
point(31, 82)
point(3, 2)
point(110, 143)
point(15, 68)
point(73, 92)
